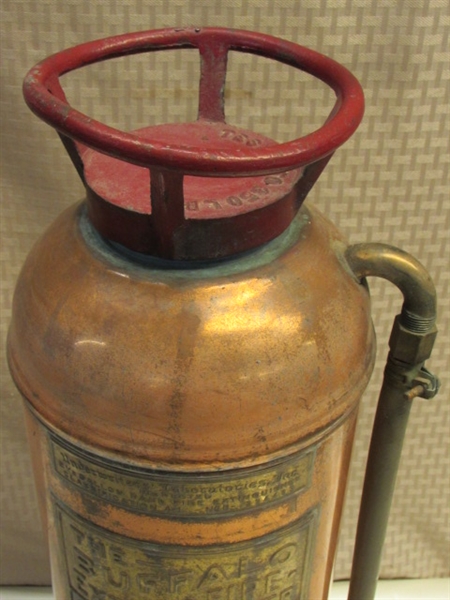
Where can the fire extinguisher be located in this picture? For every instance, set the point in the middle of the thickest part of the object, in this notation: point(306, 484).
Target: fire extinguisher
point(192, 342)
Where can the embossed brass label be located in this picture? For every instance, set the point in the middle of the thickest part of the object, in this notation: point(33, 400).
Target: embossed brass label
point(105, 566)
point(182, 495)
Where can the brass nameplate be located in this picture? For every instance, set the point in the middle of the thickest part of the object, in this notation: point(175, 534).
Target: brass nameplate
point(105, 566)
point(167, 494)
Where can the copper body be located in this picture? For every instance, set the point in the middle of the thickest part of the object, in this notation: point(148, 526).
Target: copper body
point(245, 372)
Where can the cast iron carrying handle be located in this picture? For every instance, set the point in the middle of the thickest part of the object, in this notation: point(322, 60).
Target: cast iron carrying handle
point(45, 97)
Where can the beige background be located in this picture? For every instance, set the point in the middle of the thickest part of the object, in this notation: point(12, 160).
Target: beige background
point(389, 183)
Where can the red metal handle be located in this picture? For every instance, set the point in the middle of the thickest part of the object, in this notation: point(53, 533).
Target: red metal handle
point(46, 98)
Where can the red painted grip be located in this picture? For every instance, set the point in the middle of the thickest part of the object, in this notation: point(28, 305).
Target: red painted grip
point(45, 98)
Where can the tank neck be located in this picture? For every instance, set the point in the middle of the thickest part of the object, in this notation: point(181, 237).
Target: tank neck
point(166, 214)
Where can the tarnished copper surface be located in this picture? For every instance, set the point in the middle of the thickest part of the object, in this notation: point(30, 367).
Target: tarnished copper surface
point(196, 387)
point(143, 571)
point(165, 494)
point(94, 521)
point(191, 368)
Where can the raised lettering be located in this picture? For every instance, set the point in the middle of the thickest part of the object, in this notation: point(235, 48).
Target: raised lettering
point(145, 582)
point(261, 191)
point(79, 581)
point(227, 133)
point(234, 201)
point(118, 580)
point(250, 196)
point(97, 547)
point(272, 566)
point(117, 554)
point(214, 574)
point(273, 180)
point(183, 496)
point(179, 581)
point(283, 555)
point(84, 563)
point(79, 535)
point(214, 203)
point(274, 581)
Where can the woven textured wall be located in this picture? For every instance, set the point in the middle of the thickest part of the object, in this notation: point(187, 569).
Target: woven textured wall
point(389, 183)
